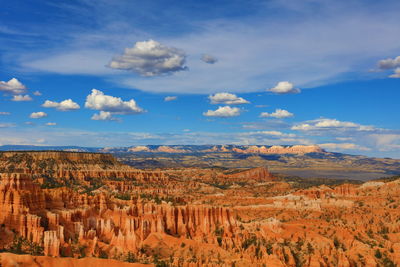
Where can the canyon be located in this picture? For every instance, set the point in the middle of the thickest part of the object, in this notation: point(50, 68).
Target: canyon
point(78, 209)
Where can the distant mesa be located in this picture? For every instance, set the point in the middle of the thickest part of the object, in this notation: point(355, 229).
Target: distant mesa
point(296, 149)
point(166, 149)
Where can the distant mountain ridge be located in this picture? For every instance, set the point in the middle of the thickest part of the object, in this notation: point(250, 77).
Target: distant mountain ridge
point(242, 149)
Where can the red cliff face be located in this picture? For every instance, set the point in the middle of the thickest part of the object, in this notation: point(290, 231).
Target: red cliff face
point(260, 174)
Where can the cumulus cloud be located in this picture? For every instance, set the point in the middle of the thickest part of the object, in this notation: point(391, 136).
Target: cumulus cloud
point(65, 105)
point(37, 93)
point(209, 59)
point(170, 98)
point(21, 98)
point(51, 124)
point(278, 113)
point(331, 124)
point(343, 146)
point(227, 99)
point(13, 86)
point(284, 88)
point(97, 100)
point(104, 116)
point(4, 113)
point(396, 73)
point(389, 63)
point(223, 112)
point(150, 58)
point(38, 115)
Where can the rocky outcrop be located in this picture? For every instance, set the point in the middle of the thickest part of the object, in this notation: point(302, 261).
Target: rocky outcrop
point(260, 174)
point(164, 149)
point(20, 203)
point(297, 149)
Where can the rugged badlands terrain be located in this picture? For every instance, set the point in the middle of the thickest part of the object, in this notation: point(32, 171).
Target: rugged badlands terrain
point(88, 209)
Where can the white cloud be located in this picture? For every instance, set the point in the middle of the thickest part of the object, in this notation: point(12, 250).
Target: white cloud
point(7, 125)
point(385, 141)
point(343, 146)
point(13, 86)
point(284, 88)
point(278, 113)
point(65, 105)
point(150, 58)
point(227, 99)
point(21, 98)
point(223, 112)
point(51, 124)
point(332, 124)
point(396, 73)
point(389, 63)
point(4, 113)
point(37, 93)
point(86, 61)
point(344, 138)
point(38, 115)
point(209, 59)
point(170, 98)
point(97, 100)
point(104, 116)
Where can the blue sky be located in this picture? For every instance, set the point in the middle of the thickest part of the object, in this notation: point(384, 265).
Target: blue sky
point(236, 72)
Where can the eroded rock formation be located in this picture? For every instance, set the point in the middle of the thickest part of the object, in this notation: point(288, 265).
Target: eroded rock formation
point(90, 206)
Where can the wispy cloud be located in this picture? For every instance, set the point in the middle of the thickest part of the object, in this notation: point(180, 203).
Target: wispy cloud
point(7, 125)
point(209, 59)
point(292, 44)
point(170, 98)
point(325, 124)
point(343, 147)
